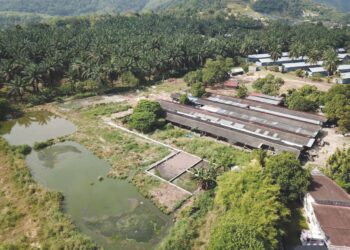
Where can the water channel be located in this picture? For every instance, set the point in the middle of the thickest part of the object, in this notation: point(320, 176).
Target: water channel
point(110, 211)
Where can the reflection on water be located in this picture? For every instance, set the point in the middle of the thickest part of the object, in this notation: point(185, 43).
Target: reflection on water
point(111, 212)
point(35, 127)
point(50, 157)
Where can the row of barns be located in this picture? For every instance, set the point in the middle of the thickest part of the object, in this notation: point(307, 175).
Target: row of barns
point(256, 122)
point(289, 64)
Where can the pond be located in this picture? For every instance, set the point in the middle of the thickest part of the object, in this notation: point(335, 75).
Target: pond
point(34, 127)
point(110, 211)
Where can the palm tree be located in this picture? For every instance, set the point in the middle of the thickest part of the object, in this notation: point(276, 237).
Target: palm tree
point(275, 52)
point(17, 88)
point(33, 75)
point(295, 50)
point(206, 176)
point(314, 56)
point(330, 60)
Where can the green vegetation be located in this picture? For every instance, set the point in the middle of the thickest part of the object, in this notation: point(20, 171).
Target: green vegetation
point(337, 106)
point(286, 171)
point(91, 55)
point(183, 234)
point(242, 91)
point(4, 108)
point(338, 168)
point(269, 85)
point(42, 145)
point(198, 89)
point(206, 177)
point(106, 109)
point(25, 205)
point(22, 149)
point(147, 116)
point(330, 60)
point(252, 197)
point(307, 98)
point(184, 99)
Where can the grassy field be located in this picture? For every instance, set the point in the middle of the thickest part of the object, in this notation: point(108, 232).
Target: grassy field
point(204, 147)
point(128, 155)
point(30, 216)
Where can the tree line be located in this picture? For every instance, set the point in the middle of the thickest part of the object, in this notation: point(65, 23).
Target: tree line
point(80, 55)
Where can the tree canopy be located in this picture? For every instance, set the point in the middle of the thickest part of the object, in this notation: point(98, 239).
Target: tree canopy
point(146, 116)
point(338, 168)
point(251, 196)
point(286, 171)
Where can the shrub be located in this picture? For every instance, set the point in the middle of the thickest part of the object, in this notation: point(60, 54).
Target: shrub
point(42, 145)
point(66, 89)
point(299, 73)
point(242, 91)
point(22, 149)
point(198, 89)
point(193, 77)
point(147, 116)
point(130, 79)
point(270, 85)
point(184, 99)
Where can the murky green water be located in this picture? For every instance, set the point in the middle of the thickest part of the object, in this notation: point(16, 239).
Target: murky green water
point(35, 127)
point(111, 212)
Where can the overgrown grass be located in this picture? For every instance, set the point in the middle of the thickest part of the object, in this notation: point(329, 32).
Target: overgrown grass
point(204, 147)
point(28, 206)
point(106, 109)
point(186, 229)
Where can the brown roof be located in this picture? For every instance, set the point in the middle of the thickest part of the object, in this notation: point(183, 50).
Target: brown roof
point(335, 222)
point(231, 84)
point(324, 189)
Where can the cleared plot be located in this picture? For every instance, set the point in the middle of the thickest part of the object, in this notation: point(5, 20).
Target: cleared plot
point(174, 166)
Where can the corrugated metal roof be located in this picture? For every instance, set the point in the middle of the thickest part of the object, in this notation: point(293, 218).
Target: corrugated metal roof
point(318, 70)
point(345, 76)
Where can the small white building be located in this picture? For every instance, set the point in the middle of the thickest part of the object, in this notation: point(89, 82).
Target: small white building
point(344, 57)
point(317, 71)
point(288, 67)
point(269, 62)
point(236, 71)
point(344, 68)
point(327, 210)
point(257, 57)
point(343, 79)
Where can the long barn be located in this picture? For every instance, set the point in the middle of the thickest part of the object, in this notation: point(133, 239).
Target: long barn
point(247, 123)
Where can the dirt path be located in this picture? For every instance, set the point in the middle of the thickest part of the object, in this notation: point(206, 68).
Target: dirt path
point(291, 81)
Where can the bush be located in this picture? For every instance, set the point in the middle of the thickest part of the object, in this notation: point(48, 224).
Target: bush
point(338, 168)
point(316, 77)
point(22, 149)
point(130, 79)
point(198, 89)
point(242, 91)
point(270, 85)
point(286, 171)
point(184, 99)
point(147, 116)
point(299, 73)
point(66, 89)
point(193, 77)
point(42, 145)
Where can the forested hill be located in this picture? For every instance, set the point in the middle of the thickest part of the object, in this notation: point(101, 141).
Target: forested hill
point(78, 7)
point(342, 5)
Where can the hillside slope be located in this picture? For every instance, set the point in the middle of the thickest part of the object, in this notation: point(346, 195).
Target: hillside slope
point(341, 5)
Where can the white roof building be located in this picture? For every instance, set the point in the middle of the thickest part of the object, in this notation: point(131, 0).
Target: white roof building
point(344, 68)
point(317, 70)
